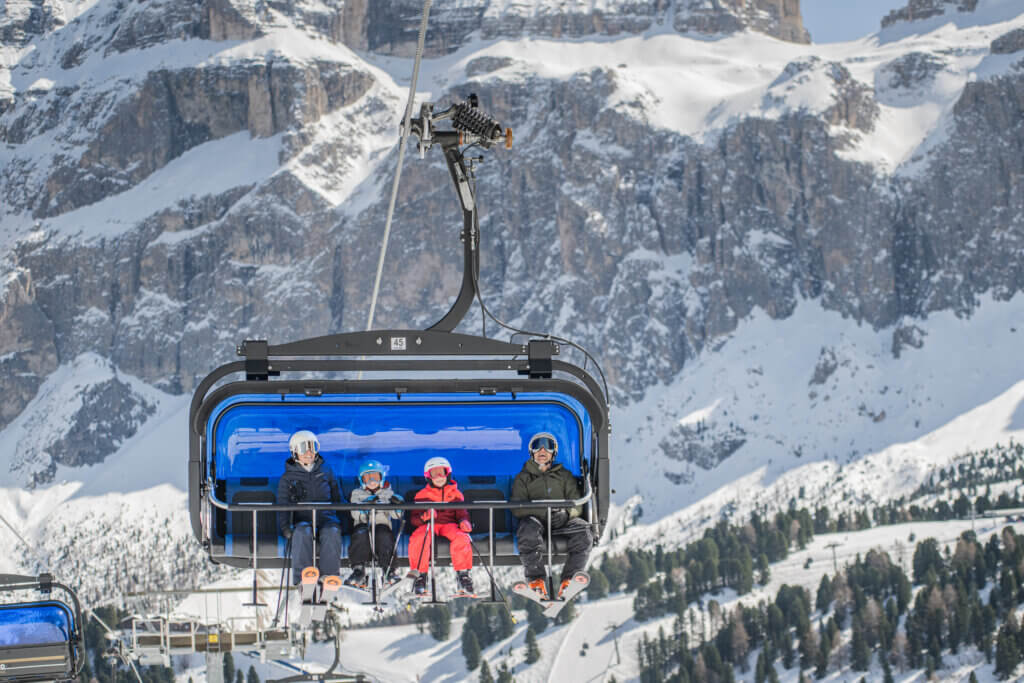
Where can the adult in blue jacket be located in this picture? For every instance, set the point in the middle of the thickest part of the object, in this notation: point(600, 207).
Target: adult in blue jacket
point(308, 479)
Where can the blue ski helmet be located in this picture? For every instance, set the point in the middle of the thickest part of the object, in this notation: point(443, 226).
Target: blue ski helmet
point(373, 466)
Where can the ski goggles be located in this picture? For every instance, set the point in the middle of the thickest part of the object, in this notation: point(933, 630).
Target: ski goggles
point(543, 443)
point(303, 447)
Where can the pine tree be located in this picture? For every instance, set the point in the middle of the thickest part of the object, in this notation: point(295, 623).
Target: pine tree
point(761, 668)
point(485, 673)
point(824, 597)
point(860, 656)
point(886, 671)
point(471, 648)
point(598, 586)
point(1007, 654)
point(440, 620)
point(535, 617)
point(252, 676)
point(505, 674)
point(506, 627)
point(239, 676)
point(532, 649)
point(229, 667)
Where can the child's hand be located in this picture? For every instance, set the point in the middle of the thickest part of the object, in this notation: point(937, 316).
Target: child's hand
point(426, 516)
point(465, 526)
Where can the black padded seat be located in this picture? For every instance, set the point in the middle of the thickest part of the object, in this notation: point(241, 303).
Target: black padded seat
point(240, 525)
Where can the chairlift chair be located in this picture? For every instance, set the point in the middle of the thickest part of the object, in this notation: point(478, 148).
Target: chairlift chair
point(398, 396)
point(40, 640)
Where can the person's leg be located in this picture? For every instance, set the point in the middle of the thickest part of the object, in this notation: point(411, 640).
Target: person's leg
point(459, 546)
point(384, 543)
point(419, 549)
point(330, 550)
point(359, 546)
point(579, 540)
point(530, 538)
point(302, 550)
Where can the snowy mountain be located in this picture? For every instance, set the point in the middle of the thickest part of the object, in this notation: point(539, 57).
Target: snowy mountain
point(799, 263)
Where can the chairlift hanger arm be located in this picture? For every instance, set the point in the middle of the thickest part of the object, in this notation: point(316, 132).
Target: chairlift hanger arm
point(471, 127)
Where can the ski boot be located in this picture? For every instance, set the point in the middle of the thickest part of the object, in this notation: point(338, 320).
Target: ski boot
point(392, 578)
point(562, 587)
point(465, 583)
point(419, 586)
point(540, 587)
point(357, 579)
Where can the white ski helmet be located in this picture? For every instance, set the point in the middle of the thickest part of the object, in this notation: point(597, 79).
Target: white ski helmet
point(303, 441)
point(437, 462)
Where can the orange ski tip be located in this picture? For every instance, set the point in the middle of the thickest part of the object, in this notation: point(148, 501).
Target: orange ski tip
point(310, 574)
point(332, 582)
point(580, 578)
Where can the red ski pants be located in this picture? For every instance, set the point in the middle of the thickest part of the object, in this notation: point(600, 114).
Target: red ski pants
point(419, 547)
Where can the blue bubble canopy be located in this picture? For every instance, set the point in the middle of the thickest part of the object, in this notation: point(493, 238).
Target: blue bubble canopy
point(41, 640)
point(478, 414)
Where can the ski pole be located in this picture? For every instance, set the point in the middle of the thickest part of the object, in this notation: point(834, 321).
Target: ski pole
point(394, 551)
point(280, 587)
point(479, 555)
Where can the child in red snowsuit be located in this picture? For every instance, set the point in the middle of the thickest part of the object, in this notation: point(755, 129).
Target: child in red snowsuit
point(451, 524)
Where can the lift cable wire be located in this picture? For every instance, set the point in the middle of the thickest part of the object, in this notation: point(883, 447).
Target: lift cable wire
point(517, 331)
point(33, 551)
point(403, 138)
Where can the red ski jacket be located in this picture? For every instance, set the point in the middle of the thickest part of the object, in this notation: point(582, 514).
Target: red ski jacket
point(449, 493)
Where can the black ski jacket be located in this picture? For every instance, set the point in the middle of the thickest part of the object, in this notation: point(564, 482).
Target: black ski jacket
point(299, 486)
point(557, 483)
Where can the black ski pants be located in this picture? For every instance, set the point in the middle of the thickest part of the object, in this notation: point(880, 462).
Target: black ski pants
point(383, 544)
point(533, 547)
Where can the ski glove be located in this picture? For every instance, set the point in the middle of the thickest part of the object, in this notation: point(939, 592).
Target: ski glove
point(425, 516)
point(559, 518)
point(287, 532)
point(465, 526)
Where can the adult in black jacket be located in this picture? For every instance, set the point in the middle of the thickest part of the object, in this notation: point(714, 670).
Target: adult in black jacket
point(308, 479)
point(542, 478)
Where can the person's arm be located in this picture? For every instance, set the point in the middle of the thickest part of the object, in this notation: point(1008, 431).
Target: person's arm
point(416, 516)
point(284, 519)
point(573, 492)
point(460, 515)
point(358, 496)
point(335, 493)
point(520, 493)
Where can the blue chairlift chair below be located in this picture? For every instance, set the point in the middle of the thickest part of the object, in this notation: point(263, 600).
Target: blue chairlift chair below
point(41, 640)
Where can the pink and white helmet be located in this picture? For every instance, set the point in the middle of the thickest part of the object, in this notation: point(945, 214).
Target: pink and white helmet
point(437, 461)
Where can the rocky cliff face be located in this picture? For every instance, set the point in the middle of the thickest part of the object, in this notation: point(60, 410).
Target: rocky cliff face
point(392, 28)
point(179, 176)
point(917, 10)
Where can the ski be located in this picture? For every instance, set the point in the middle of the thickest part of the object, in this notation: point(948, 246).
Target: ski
point(329, 591)
point(523, 589)
point(578, 582)
point(310, 575)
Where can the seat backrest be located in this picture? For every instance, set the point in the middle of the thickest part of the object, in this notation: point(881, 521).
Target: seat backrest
point(480, 518)
point(240, 523)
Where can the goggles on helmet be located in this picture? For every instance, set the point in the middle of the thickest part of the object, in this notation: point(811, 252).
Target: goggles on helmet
point(303, 447)
point(543, 442)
